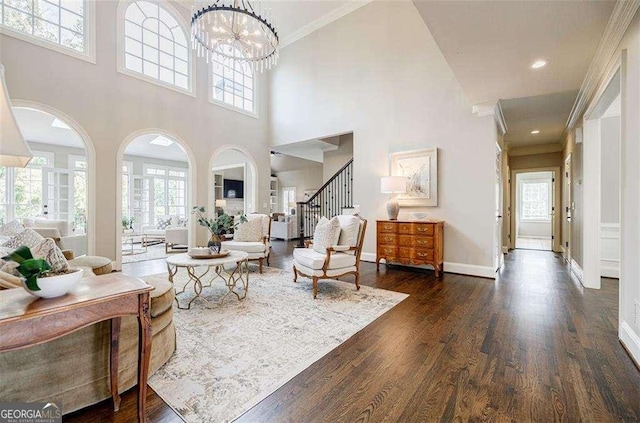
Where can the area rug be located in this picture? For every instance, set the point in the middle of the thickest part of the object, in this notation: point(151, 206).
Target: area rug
point(231, 356)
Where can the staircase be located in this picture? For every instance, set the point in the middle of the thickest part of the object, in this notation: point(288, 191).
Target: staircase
point(335, 195)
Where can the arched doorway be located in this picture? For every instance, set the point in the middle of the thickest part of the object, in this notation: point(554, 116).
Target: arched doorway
point(61, 179)
point(154, 194)
point(233, 178)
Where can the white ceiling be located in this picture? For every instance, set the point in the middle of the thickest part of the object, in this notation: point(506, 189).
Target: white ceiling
point(490, 46)
point(312, 150)
point(35, 126)
point(283, 163)
point(141, 147)
point(546, 113)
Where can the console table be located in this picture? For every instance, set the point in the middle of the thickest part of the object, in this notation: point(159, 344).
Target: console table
point(411, 242)
point(26, 320)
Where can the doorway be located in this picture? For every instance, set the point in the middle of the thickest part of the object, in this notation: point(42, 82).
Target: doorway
point(534, 201)
point(534, 198)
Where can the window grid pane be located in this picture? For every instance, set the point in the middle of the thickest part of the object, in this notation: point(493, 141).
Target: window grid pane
point(233, 84)
point(152, 40)
point(535, 200)
point(63, 25)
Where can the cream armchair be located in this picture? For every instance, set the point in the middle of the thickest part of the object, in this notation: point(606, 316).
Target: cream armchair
point(258, 246)
point(338, 260)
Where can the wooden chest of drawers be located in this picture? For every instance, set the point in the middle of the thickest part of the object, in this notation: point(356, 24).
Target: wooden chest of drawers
point(410, 242)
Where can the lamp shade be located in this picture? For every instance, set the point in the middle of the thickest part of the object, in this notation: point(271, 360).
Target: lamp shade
point(221, 203)
point(393, 184)
point(14, 150)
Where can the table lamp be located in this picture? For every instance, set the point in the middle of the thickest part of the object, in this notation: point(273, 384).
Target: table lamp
point(14, 150)
point(393, 185)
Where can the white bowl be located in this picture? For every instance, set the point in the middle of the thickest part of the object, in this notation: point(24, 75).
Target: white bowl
point(55, 286)
point(419, 215)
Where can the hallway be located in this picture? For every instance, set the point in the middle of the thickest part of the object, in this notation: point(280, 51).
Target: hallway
point(532, 345)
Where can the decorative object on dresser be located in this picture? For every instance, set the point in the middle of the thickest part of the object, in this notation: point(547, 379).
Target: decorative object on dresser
point(393, 185)
point(420, 167)
point(411, 242)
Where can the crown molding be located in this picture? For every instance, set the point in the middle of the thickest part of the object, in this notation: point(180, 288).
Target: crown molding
point(350, 6)
point(619, 21)
point(491, 108)
point(535, 149)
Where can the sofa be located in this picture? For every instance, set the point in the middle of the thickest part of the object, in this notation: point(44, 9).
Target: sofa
point(61, 231)
point(74, 370)
point(159, 232)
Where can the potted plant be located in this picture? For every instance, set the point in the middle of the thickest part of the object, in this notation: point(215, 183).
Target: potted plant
point(217, 227)
point(127, 223)
point(37, 277)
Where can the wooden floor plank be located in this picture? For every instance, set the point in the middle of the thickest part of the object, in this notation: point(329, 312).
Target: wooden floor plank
point(532, 345)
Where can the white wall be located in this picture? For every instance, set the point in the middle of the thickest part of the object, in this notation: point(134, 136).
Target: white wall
point(304, 179)
point(334, 160)
point(394, 90)
point(110, 106)
point(610, 170)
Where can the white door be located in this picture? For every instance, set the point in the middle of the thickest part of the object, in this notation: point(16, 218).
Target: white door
point(566, 209)
point(497, 237)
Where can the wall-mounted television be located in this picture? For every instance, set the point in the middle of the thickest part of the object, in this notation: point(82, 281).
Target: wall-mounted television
point(233, 188)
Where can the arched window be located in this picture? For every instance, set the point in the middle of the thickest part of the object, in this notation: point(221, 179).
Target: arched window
point(233, 84)
point(58, 24)
point(155, 45)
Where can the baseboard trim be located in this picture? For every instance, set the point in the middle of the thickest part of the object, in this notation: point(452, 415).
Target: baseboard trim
point(577, 270)
point(470, 269)
point(610, 268)
point(449, 267)
point(630, 341)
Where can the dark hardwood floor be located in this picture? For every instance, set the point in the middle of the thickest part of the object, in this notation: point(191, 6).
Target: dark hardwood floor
point(530, 346)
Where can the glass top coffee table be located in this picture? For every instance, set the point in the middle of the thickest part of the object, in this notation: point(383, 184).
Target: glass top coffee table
point(236, 271)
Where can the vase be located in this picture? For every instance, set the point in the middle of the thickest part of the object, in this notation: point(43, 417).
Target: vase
point(214, 244)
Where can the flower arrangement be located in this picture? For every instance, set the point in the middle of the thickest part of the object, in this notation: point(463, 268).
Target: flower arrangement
point(218, 226)
point(127, 222)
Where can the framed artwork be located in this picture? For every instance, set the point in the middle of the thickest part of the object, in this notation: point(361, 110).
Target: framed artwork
point(421, 169)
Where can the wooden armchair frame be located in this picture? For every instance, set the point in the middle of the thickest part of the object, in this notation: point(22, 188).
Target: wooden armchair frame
point(327, 260)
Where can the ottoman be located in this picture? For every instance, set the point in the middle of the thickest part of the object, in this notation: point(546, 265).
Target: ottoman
point(99, 265)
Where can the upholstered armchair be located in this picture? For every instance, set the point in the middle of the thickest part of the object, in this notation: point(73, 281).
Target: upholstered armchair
point(252, 237)
point(337, 260)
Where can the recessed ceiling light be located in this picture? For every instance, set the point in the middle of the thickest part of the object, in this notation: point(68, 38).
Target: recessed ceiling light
point(160, 140)
point(57, 123)
point(535, 132)
point(539, 64)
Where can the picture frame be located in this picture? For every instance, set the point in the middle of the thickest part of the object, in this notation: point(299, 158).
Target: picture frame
point(421, 169)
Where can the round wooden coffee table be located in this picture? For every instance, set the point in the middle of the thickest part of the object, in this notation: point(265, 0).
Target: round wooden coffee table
point(239, 272)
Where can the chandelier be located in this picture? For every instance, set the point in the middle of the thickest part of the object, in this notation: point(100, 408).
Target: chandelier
point(235, 31)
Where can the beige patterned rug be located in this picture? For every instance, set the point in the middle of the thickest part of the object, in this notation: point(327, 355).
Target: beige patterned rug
point(232, 356)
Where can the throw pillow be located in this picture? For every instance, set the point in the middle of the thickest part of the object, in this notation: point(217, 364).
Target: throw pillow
point(163, 223)
point(349, 227)
point(49, 251)
point(12, 228)
point(249, 231)
point(326, 234)
point(27, 237)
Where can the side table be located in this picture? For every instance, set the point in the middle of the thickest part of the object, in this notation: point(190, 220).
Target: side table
point(26, 320)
